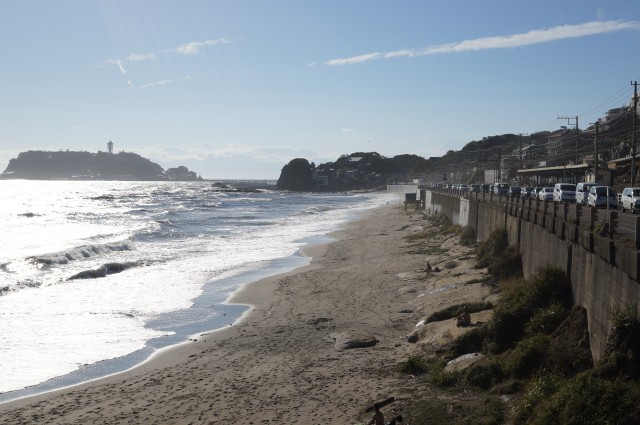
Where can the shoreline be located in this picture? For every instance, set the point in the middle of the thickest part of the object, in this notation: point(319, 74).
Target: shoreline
point(106, 368)
point(157, 346)
point(279, 362)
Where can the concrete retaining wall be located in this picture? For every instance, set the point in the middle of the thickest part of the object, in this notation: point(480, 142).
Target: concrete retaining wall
point(604, 272)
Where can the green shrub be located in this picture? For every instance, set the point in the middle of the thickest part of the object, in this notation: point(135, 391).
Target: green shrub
point(550, 285)
point(546, 320)
point(484, 374)
point(539, 389)
point(527, 356)
point(442, 219)
point(505, 327)
point(467, 236)
point(624, 317)
point(586, 399)
point(414, 365)
point(439, 377)
point(495, 244)
point(442, 378)
point(507, 264)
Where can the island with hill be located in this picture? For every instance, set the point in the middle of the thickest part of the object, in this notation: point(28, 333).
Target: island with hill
point(66, 165)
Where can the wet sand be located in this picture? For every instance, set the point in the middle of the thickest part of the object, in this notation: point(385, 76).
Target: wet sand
point(279, 364)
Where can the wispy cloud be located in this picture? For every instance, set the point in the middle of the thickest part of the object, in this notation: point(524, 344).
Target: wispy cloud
point(194, 47)
point(499, 42)
point(185, 49)
point(119, 64)
point(159, 83)
point(140, 57)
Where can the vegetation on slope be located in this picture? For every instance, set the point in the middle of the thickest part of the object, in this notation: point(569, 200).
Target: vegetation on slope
point(537, 367)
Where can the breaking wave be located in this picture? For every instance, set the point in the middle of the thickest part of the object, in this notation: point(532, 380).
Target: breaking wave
point(80, 253)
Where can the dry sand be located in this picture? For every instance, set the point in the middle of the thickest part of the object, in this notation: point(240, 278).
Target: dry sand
point(278, 364)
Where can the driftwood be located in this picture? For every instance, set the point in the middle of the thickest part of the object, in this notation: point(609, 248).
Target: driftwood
point(380, 404)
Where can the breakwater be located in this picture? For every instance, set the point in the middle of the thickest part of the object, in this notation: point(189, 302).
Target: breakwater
point(603, 265)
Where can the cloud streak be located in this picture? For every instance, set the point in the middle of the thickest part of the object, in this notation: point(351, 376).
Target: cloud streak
point(188, 49)
point(158, 83)
point(194, 47)
point(141, 57)
point(538, 36)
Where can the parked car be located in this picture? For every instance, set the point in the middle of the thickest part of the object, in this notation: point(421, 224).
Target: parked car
point(630, 199)
point(582, 191)
point(475, 188)
point(564, 192)
point(514, 191)
point(535, 191)
point(486, 188)
point(545, 194)
point(525, 191)
point(500, 189)
point(601, 196)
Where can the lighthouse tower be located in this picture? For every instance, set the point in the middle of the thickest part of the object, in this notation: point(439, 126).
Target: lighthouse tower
point(110, 146)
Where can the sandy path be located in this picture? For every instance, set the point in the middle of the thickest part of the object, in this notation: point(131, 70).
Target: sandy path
point(278, 365)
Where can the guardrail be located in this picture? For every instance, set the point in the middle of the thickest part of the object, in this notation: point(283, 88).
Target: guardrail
point(611, 222)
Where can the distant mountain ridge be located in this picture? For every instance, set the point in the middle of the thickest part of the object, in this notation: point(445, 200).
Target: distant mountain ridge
point(62, 165)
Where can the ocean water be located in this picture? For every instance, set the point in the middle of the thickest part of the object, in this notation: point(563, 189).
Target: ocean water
point(97, 276)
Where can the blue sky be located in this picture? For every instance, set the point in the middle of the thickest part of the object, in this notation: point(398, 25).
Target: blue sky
point(236, 89)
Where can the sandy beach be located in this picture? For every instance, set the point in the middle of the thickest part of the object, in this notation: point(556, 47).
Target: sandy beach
point(280, 362)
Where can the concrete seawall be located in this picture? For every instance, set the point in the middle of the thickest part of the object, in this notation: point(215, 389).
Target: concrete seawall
point(604, 271)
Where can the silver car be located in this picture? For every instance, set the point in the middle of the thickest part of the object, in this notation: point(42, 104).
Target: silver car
point(602, 196)
point(630, 199)
point(545, 194)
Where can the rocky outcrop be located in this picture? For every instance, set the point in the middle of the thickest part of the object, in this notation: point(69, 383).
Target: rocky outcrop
point(296, 175)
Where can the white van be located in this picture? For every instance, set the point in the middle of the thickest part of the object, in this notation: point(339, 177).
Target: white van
point(630, 199)
point(564, 192)
point(582, 191)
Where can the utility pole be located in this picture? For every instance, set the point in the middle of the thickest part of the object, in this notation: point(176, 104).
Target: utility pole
point(520, 140)
point(499, 172)
point(633, 132)
point(595, 153)
point(577, 131)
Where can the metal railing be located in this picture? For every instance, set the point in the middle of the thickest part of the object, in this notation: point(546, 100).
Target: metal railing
point(608, 221)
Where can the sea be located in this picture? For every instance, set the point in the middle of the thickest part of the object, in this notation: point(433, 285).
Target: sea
point(97, 276)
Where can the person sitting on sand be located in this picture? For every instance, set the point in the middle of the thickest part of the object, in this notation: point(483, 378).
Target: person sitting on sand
point(378, 418)
point(428, 269)
point(464, 319)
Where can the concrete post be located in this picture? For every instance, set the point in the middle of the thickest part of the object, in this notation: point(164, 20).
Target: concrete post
point(637, 231)
point(613, 221)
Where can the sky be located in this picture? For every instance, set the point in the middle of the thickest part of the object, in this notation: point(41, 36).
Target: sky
point(237, 89)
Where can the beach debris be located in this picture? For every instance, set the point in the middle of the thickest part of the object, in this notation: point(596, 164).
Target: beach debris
point(413, 337)
point(380, 404)
point(353, 339)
